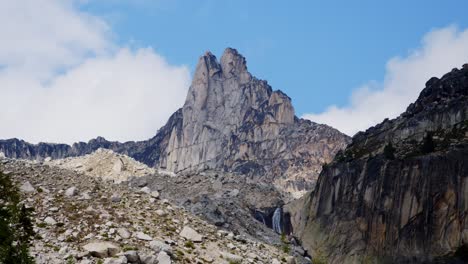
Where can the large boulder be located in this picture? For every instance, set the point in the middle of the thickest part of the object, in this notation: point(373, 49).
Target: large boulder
point(27, 187)
point(102, 249)
point(190, 234)
point(164, 258)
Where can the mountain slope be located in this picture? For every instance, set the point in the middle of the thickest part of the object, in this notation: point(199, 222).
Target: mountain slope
point(399, 192)
point(230, 121)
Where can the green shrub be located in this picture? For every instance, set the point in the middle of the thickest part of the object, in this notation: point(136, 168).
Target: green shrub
point(389, 151)
point(428, 145)
point(16, 229)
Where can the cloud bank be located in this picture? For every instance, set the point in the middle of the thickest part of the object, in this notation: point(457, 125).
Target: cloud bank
point(64, 79)
point(441, 50)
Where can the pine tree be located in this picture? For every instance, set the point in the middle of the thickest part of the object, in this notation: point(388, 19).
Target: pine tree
point(16, 229)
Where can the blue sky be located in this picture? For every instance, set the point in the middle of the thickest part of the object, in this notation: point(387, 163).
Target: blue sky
point(72, 70)
point(315, 51)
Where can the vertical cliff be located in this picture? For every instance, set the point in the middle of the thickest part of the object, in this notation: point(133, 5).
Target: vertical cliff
point(399, 192)
point(235, 122)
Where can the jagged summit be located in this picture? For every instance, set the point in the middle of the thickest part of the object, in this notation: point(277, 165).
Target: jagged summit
point(230, 121)
point(232, 64)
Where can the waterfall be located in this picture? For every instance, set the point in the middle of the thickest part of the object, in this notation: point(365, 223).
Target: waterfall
point(276, 220)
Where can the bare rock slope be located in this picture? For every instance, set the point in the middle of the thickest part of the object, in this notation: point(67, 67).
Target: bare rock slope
point(82, 219)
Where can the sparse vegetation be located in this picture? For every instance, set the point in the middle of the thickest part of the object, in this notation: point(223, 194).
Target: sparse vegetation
point(283, 238)
point(71, 260)
point(189, 244)
point(285, 244)
point(340, 157)
point(318, 258)
point(16, 229)
point(129, 248)
point(286, 248)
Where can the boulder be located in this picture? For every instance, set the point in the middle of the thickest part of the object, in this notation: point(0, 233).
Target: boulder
point(231, 257)
point(102, 249)
point(132, 256)
point(146, 190)
point(50, 221)
point(72, 191)
point(143, 236)
point(116, 198)
point(161, 212)
point(27, 187)
point(190, 234)
point(159, 246)
point(148, 259)
point(119, 260)
point(124, 233)
point(155, 194)
point(164, 258)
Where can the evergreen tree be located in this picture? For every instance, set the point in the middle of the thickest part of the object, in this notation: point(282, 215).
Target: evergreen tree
point(16, 229)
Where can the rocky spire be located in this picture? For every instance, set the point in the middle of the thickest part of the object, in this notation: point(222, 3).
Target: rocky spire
point(230, 121)
point(234, 121)
point(234, 64)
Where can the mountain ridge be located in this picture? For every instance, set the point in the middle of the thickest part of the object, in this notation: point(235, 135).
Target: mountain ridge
point(230, 121)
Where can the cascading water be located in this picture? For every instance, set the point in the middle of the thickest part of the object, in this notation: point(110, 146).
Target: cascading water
point(276, 220)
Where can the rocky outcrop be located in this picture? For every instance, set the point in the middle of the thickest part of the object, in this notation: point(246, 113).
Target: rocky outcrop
point(230, 121)
point(105, 164)
point(399, 192)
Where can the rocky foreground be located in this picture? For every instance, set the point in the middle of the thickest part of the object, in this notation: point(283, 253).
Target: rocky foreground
point(83, 219)
point(224, 199)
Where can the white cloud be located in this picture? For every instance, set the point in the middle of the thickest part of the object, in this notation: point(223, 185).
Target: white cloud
point(405, 77)
point(62, 79)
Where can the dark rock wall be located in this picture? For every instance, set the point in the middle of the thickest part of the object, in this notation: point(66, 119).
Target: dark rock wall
point(399, 192)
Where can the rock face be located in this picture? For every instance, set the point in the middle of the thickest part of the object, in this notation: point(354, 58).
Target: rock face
point(399, 192)
point(230, 121)
point(235, 122)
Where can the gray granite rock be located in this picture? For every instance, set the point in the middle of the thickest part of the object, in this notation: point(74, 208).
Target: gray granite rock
point(102, 249)
point(230, 121)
